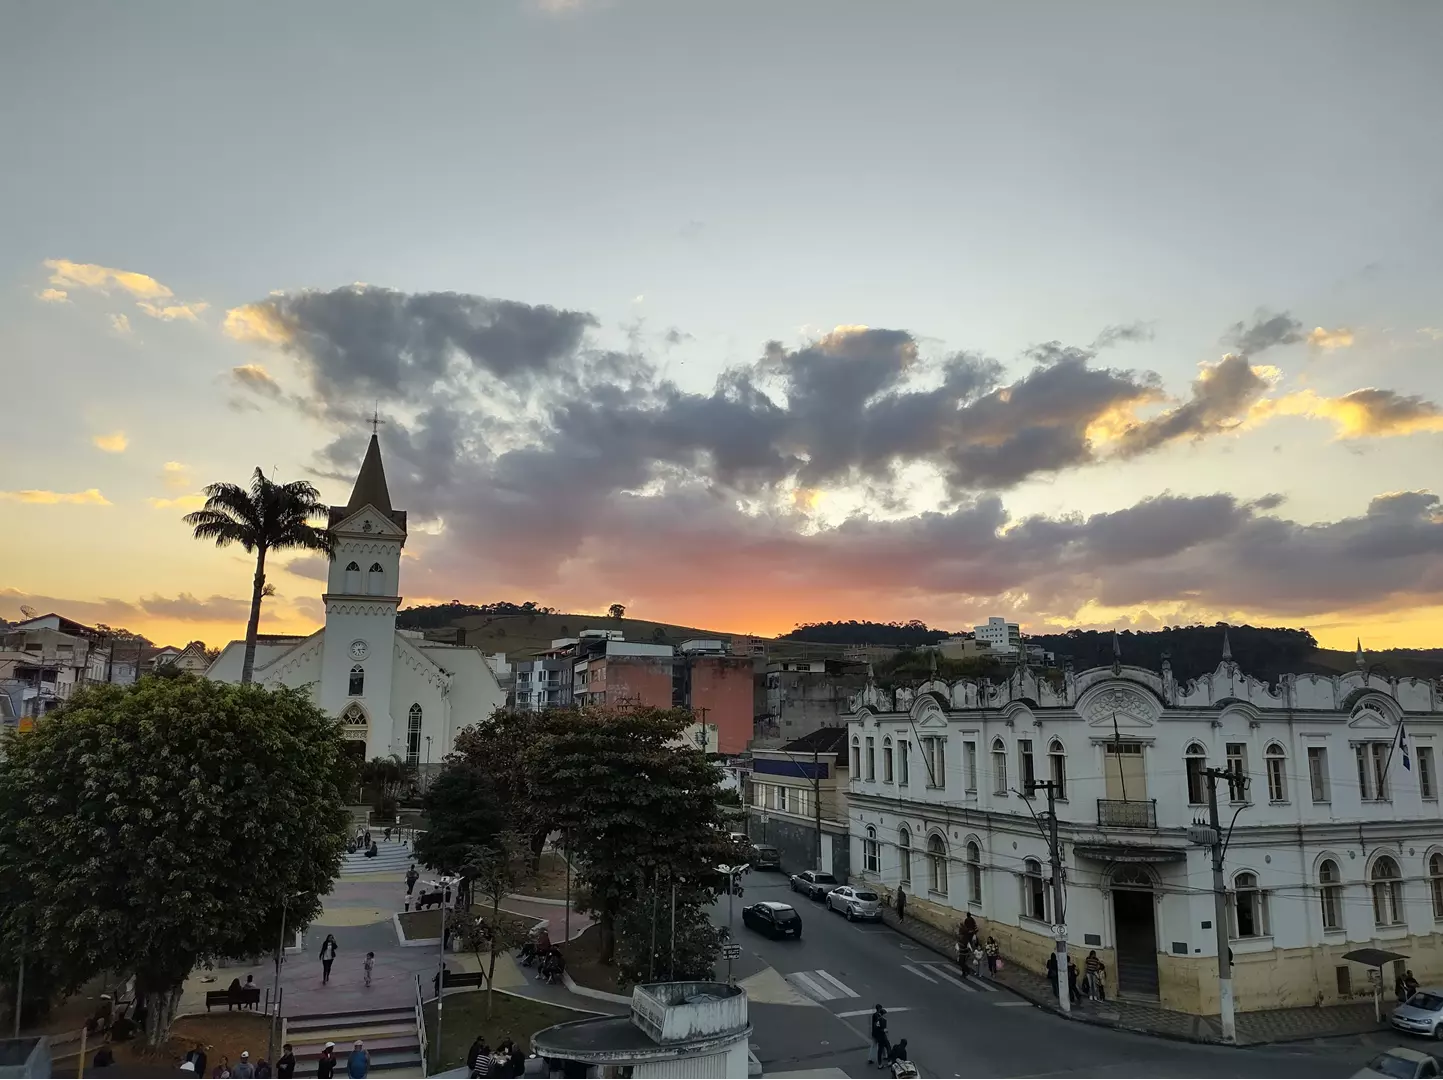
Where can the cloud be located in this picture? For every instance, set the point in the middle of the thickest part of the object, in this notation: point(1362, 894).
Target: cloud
point(1363, 413)
point(312, 567)
point(172, 312)
point(1264, 332)
point(180, 502)
point(188, 608)
point(184, 607)
point(1121, 333)
point(255, 378)
point(104, 279)
point(1221, 398)
point(89, 497)
point(256, 323)
point(1321, 338)
point(120, 324)
point(114, 443)
point(53, 296)
point(176, 475)
point(1434, 332)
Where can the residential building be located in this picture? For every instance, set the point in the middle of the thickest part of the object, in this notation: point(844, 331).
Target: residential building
point(805, 695)
point(793, 786)
point(1335, 835)
point(611, 670)
point(1000, 635)
point(719, 689)
point(395, 691)
point(964, 648)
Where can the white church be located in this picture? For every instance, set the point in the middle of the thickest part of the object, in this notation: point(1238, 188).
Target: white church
point(393, 690)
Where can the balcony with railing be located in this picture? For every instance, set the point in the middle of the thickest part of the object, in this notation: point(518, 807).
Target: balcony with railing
point(1127, 813)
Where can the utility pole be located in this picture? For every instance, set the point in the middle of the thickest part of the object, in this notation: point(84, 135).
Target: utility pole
point(1059, 928)
point(1214, 835)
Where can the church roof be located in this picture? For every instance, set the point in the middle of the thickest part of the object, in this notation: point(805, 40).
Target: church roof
point(370, 489)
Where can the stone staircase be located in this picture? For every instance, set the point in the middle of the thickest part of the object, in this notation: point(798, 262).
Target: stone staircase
point(389, 1034)
point(391, 856)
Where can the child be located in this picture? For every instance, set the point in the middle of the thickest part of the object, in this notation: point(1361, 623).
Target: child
point(370, 963)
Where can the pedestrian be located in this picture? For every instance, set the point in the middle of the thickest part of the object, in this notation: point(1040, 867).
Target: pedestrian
point(411, 878)
point(1092, 976)
point(479, 1057)
point(370, 964)
point(1072, 991)
point(196, 1057)
point(286, 1066)
point(244, 1070)
point(358, 1062)
point(328, 957)
point(1052, 971)
point(1410, 986)
point(969, 928)
point(878, 1053)
point(994, 956)
point(263, 1069)
point(898, 1052)
point(901, 904)
point(222, 1071)
point(326, 1063)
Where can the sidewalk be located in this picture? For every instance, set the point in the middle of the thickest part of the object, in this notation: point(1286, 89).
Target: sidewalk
point(1253, 1028)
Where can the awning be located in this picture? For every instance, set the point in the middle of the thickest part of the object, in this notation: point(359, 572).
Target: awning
point(1129, 853)
point(1373, 958)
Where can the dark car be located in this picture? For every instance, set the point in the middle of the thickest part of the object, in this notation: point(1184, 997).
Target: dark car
point(813, 884)
point(776, 920)
point(766, 857)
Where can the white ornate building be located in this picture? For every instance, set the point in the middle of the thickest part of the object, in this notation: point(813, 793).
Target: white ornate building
point(395, 691)
point(1337, 844)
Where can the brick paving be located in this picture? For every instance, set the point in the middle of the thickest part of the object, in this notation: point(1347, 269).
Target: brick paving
point(1253, 1028)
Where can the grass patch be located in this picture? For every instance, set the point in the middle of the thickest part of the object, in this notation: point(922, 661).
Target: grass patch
point(427, 924)
point(465, 1018)
point(549, 881)
point(583, 962)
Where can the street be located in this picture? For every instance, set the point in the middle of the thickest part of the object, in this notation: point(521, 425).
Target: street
point(811, 999)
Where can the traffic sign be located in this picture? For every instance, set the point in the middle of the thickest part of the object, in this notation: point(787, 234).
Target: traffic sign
point(731, 952)
point(1059, 932)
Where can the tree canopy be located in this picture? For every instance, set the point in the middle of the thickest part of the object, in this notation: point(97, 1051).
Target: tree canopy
point(462, 812)
point(151, 828)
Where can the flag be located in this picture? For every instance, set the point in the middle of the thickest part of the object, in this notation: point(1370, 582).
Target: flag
point(1403, 746)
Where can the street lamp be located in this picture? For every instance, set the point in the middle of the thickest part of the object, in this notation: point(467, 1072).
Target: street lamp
point(444, 884)
point(732, 873)
point(276, 985)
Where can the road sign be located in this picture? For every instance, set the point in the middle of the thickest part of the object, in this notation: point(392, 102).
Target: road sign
point(1059, 932)
point(731, 952)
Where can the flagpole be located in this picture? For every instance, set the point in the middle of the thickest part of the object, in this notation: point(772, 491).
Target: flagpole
point(1388, 765)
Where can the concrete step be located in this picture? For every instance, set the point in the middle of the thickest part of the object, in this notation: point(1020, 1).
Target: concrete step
point(350, 1033)
point(409, 1061)
point(376, 1044)
point(302, 1023)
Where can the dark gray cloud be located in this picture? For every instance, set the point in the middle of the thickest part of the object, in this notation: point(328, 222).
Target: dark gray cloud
point(1220, 397)
point(1371, 411)
point(1264, 332)
point(1121, 333)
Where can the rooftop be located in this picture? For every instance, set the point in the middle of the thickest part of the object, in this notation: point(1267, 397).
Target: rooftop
point(825, 740)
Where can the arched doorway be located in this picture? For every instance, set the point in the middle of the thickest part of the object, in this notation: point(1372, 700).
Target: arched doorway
point(1134, 930)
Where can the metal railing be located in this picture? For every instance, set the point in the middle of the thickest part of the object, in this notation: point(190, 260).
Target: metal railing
point(421, 1028)
point(1127, 813)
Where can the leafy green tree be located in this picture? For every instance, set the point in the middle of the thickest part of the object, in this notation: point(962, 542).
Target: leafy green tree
point(268, 517)
point(494, 870)
point(388, 778)
point(617, 611)
point(499, 748)
point(638, 803)
point(151, 828)
point(650, 946)
point(462, 814)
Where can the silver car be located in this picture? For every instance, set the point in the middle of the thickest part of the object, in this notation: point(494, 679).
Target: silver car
point(855, 903)
point(1421, 1014)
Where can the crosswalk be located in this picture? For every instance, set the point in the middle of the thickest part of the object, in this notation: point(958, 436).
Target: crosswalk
point(947, 973)
point(821, 985)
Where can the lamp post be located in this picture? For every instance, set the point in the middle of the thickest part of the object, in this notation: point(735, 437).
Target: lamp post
point(444, 885)
point(276, 984)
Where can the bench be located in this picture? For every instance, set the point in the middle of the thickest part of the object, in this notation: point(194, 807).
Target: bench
point(246, 999)
point(464, 978)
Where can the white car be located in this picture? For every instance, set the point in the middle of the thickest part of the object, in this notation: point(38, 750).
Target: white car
point(1402, 1063)
point(855, 903)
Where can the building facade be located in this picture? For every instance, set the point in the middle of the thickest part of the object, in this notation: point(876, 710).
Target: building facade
point(796, 788)
point(395, 692)
point(803, 696)
point(1336, 837)
point(1000, 635)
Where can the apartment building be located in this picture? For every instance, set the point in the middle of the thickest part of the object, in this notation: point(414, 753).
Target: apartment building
point(803, 696)
point(44, 660)
point(1336, 834)
point(1001, 636)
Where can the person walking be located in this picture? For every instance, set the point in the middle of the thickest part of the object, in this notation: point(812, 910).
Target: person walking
point(358, 1062)
point(411, 878)
point(328, 957)
point(994, 956)
point(1092, 976)
point(901, 904)
point(326, 1063)
point(370, 965)
point(877, 1054)
point(1072, 991)
point(1052, 972)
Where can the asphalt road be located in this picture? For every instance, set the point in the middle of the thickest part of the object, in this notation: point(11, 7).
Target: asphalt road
point(811, 999)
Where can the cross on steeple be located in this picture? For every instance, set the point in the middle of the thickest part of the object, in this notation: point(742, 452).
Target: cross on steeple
point(376, 420)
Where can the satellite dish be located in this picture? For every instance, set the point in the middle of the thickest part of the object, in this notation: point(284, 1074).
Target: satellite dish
point(27, 611)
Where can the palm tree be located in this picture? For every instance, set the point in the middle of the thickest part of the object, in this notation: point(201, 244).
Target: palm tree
point(268, 517)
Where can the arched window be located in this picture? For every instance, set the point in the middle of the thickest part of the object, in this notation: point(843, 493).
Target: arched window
point(1250, 909)
point(1435, 883)
point(1277, 763)
point(887, 759)
point(904, 853)
point(376, 580)
point(974, 873)
point(999, 767)
point(1057, 763)
point(1330, 893)
point(1034, 890)
point(413, 735)
point(1195, 760)
point(353, 577)
point(870, 862)
point(1387, 892)
point(856, 758)
point(937, 864)
point(357, 687)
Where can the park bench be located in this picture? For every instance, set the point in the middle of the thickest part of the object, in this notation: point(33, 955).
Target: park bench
point(246, 999)
point(465, 978)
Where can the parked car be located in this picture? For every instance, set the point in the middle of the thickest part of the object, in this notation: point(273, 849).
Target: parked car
point(1401, 1063)
point(813, 884)
point(855, 903)
point(766, 857)
point(1421, 1014)
point(777, 920)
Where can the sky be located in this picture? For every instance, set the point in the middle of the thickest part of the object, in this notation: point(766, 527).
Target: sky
point(740, 314)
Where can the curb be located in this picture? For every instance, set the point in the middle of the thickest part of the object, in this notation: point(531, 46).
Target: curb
point(543, 900)
point(586, 991)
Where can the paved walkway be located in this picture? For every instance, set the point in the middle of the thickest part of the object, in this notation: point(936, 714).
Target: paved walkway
point(1253, 1028)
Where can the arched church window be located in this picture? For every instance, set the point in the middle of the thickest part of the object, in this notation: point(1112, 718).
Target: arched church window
point(353, 577)
point(413, 735)
point(358, 682)
point(376, 580)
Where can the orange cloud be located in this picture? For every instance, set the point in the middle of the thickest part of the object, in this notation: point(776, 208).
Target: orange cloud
point(180, 502)
point(256, 323)
point(89, 497)
point(1362, 413)
point(114, 443)
point(176, 475)
point(172, 312)
point(53, 296)
point(104, 278)
point(120, 324)
point(1321, 338)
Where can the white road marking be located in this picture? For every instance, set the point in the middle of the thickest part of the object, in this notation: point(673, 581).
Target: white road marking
point(810, 985)
point(918, 972)
point(846, 990)
point(966, 982)
point(868, 1012)
point(1014, 1004)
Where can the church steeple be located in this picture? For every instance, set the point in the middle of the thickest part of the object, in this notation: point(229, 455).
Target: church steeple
point(370, 486)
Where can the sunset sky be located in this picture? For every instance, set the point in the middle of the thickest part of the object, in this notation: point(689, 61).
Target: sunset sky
point(742, 314)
